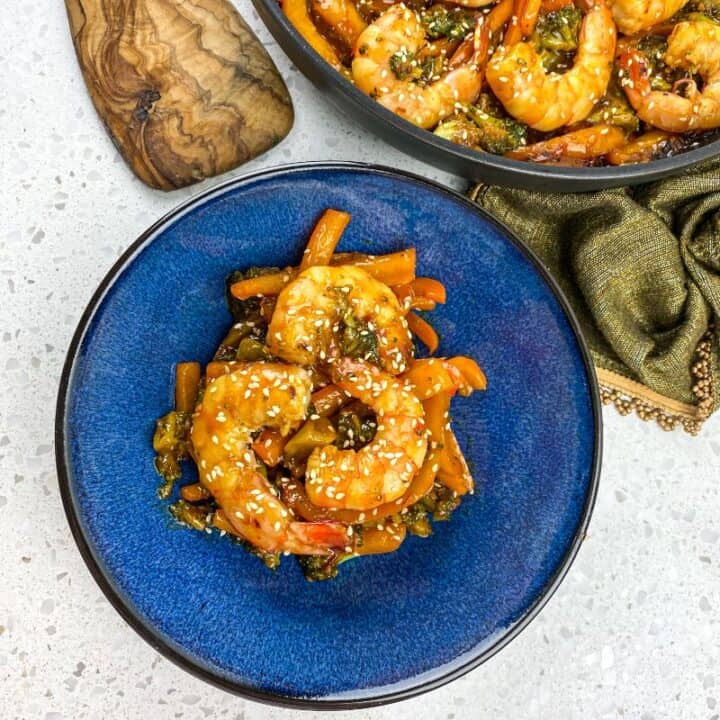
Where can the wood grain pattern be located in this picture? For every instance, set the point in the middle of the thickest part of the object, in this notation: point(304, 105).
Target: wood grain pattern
point(184, 88)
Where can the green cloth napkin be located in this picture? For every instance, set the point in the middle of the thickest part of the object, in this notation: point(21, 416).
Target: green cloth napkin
point(641, 268)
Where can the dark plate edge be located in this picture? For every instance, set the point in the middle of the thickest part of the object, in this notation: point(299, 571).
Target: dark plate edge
point(146, 631)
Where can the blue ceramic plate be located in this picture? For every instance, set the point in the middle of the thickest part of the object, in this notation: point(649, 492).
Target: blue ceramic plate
point(388, 627)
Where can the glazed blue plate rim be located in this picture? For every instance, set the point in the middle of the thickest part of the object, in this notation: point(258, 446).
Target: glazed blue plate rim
point(121, 604)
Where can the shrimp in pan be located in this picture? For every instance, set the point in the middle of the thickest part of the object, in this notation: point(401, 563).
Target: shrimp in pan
point(692, 46)
point(548, 101)
point(234, 406)
point(313, 311)
point(382, 470)
point(398, 32)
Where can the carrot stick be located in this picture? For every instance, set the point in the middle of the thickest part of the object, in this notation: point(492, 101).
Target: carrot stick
point(395, 268)
point(437, 410)
point(471, 371)
point(424, 331)
point(343, 17)
point(429, 377)
point(324, 238)
point(260, 286)
point(269, 446)
point(421, 294)
point(194, 493)
point(297, 13)
point(378, 542)
point(429, 288)
point(328, 400)
point(523, 22)
point(453, 471)
point(187, 381)
point(216, 368)
point(549, 6)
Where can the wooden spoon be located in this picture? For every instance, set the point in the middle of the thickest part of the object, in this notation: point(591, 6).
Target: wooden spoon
point(184, 87)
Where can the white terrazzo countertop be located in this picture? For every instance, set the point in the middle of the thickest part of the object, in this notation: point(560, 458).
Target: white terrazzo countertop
point(632, 633)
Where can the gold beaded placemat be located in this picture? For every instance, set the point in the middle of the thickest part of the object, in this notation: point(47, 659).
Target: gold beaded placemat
point(641, 269)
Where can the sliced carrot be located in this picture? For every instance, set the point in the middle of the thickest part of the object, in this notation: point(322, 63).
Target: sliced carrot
point(194, 493)
point(187, 382)
point(343, 17)
point(437, 410)
point(216, 368)
point(328, 400)
point(324, 238)
point(297, 13)
point(269, 446)
point(424, 331)
point(453, 471)
point(430, 289)
point(261, 286)
point(409, 300)
point(377, 541)
point(395, 268)
point(500, 15)
point(429, 377)
point(549, 6)
point(470, 370)
point(524, 19)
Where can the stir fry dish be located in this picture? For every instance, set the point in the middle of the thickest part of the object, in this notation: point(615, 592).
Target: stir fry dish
point(570, 82)
point(315, 429)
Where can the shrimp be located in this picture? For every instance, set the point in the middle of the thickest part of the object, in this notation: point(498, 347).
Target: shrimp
point(399, 33)
point(693, 46)
point(233, 407)
point(548, 101)
point(632, 16)
point(381, 471)
point(307, 324)
point(586, 144)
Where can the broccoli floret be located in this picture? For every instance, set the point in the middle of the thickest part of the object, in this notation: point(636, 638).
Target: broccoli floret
point(319, 567)
point(407, 66)
point(556, 38)
point(614, 109)
point(662, 76)
point(479, 127)
point(499, 134)
point(196, 517)
point(441, 22)
point(700, 10)
point(171, 443)
point(247, 313)
point(483, 126)
point(356, 427)
point(558, 30)
point(416, 520)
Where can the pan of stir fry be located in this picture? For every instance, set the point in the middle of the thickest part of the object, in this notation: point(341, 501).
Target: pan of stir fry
point(579, 93)
point(315, 430)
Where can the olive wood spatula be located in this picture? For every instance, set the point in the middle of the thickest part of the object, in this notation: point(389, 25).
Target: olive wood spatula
point(184, 87)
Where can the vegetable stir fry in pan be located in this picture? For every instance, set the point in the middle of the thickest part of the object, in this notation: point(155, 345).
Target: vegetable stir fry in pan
point(570, 82)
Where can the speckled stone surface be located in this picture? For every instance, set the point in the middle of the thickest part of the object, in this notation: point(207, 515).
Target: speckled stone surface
point(632, 633)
